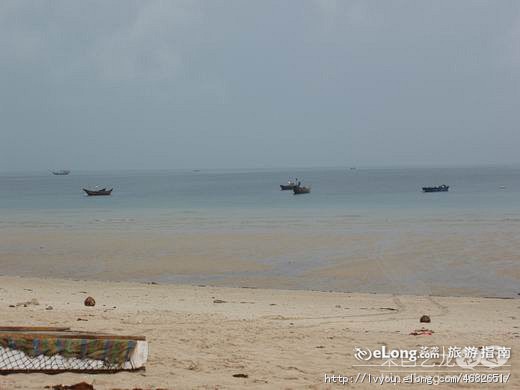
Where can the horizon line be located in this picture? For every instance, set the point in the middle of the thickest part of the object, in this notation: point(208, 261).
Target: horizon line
point(299, 168)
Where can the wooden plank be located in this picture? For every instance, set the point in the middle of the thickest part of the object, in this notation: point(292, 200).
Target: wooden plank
point(34, 328)
point(66, 335)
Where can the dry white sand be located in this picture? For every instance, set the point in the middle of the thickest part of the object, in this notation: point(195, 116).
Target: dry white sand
point(280, 339)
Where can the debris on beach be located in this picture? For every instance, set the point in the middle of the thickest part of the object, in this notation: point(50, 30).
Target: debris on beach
point(425, 318)
point(51, 350)
point(77, 386)
point(33, 301)
point(422, 332)
point(49, 308)
point(240, 375)
point(89, 301)
point(219, 301)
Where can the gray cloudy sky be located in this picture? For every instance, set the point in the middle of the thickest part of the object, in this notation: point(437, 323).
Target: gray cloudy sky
point(240, 84)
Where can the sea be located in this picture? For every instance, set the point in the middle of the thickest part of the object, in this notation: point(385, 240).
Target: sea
point(481, 200)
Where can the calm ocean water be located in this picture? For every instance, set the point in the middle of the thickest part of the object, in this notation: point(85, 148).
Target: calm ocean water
point(369, 230)
point(370, 193)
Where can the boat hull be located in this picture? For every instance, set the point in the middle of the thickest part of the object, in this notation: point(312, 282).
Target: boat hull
point(436, 189)
point(287, 187)
point(301, 190)
point(60, 173)
point(98, 193)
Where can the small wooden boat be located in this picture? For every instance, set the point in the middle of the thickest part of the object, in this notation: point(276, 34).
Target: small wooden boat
point(301, 190)
point(442, 188)
point(61, 172)
point(285, 187)
point(289, 186)
point(100, 192)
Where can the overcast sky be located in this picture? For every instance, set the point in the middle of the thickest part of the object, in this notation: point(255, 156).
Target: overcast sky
point(255, 84)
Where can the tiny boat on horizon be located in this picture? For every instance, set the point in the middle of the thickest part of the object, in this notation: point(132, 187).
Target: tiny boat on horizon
point(289, 186)
point(442, 188)
point(101, 192)
point(61, 172)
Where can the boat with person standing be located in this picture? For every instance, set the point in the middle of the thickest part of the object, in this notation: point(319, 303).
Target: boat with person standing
point(289, 186)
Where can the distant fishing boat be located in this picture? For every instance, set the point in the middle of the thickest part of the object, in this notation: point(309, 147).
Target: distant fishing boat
point(289, 186)
point(301, 190)
point(101, 192)
point(61, 172)
point(442, 188)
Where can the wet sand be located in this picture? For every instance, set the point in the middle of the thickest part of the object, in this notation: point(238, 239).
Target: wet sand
point(434, 259)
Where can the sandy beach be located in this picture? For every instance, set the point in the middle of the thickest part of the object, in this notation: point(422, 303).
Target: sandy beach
point(200, 336)
point(314, 194)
